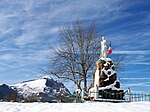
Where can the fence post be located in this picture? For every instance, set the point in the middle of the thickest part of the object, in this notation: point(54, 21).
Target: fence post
point(135, 97)
point(138, 97)
point(120, 96)
point(117, 95)
point(132, 97)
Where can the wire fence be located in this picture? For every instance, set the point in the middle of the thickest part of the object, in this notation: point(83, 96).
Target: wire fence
point(109, 97)
point(121, 97)
point(115, 97)
point(139, 97)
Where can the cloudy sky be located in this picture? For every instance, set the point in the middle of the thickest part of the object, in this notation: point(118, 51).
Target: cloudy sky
point(29, 31)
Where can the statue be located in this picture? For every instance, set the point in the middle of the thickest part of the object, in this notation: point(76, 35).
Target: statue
point(103, 48)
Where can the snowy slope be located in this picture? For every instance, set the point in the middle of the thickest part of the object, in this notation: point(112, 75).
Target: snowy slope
point(34, 86)
point(75, 107)
point(43, 89)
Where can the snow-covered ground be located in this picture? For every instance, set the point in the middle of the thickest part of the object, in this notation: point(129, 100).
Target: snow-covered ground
point(75, 107)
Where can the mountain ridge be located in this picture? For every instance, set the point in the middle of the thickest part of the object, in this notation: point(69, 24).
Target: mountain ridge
point(44, 89)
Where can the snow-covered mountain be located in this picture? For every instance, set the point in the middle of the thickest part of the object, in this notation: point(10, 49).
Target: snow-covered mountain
point(43, 90)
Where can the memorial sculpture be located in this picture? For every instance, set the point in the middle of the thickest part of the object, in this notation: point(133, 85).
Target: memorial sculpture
point(104, 83)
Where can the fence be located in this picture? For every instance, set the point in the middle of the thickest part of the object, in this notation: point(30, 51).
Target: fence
point(121, 97)
point(112, 97)
point(139, 97)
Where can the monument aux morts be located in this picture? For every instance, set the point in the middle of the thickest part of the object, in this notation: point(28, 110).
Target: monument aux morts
point(104, 83)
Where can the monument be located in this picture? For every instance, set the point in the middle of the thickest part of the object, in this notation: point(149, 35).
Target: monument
point(104, 83)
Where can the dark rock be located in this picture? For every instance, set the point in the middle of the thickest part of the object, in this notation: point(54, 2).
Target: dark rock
point(117, 85)
point(7, 93)
point(104, 76)
point(109, 72)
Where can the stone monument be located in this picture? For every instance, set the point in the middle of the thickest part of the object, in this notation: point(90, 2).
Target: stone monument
point(104, 82)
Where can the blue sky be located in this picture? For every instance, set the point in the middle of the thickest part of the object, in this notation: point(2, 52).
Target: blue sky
point(28, 34)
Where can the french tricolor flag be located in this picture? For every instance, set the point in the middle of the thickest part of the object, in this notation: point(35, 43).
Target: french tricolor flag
point(109, 49)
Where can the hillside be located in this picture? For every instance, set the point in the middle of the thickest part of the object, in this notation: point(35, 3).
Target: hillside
point(42, 90)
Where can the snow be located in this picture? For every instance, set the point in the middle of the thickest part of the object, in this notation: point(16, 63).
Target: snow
point(46, 77)
point(112, 86)
point(75, 107)
point(91, 91)
point(112, 72)
point(106, 59)
point(34, 86)
point(37, 85)
point(106, 79)
point(103, 70)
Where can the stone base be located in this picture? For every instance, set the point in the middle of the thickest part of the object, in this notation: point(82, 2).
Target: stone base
point(111, 94)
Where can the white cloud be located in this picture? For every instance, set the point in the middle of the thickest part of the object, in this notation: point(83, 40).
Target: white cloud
point(135, 78)
point(132, 52)
point(54, 30)
point(7, 65)
point(26, 38)
point(7, 56)
point(138, 63)
point(139, 84)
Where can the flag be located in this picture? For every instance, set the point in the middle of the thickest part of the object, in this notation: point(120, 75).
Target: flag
point(109, 50)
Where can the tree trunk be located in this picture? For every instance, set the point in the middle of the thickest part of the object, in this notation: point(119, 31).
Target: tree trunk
point(85, 83)
point(79, 87)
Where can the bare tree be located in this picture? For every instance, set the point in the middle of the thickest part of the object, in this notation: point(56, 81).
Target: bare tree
point(76, 55)
point(74, 59)
point(119, 61)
